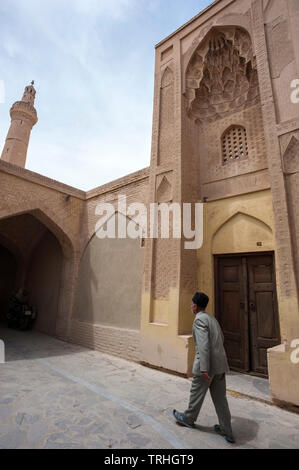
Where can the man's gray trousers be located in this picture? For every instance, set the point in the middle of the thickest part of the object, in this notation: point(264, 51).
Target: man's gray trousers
point(217, 388)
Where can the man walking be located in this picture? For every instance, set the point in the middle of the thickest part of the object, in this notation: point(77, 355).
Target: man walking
point(209, 368)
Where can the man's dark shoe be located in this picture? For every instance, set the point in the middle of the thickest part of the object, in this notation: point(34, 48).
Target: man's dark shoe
point(181, 419)
point(229, 439)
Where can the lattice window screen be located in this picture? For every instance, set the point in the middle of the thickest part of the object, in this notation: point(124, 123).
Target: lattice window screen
point(234, 144)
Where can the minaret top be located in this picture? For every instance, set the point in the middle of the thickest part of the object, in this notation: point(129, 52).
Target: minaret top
point(29, 94)
point(23, 117)
point(25, 109)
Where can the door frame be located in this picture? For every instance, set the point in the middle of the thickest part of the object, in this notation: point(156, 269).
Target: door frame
point(217, 297)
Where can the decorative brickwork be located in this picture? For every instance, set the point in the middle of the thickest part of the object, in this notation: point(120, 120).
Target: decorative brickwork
point(282, 223)
point(221, 77)
point(280, 45)
point(290, 156)
point(289, 144)
point(166, 143)
point(293, 201)
point(234, 144)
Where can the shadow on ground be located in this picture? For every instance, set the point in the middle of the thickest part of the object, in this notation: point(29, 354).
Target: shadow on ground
point(245, 430)
point(28, 345)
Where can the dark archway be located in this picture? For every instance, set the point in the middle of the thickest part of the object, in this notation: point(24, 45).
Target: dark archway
point(35, 264)
point(43, 279)
point(8, 276)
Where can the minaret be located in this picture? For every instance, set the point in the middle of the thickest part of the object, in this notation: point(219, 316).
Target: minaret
point(23, 118)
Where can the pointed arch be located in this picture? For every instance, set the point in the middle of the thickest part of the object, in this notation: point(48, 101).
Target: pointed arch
point(164, 191)
point(227, 53)
point(49, 219)
point(200, 40)
point(167, 77)
point(240, 233)
point(290, 156)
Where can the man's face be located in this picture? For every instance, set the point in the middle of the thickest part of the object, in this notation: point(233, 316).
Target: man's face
point(194, 308)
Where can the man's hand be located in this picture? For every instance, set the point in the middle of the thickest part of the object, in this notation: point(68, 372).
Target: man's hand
point(206, 377)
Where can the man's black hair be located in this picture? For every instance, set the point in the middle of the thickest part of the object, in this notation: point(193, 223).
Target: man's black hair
point(200, 299)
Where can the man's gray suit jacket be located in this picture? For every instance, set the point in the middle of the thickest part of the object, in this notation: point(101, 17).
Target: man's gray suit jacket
point(210, 353)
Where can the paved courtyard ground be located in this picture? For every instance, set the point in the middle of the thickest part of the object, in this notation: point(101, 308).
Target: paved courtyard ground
point(58, 395)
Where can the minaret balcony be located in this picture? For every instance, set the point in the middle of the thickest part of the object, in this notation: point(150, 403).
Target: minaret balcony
point(21, 109)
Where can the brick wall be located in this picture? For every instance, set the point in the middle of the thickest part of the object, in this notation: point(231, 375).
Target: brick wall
point(115, 341)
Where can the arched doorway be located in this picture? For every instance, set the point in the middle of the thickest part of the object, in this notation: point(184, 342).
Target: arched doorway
point(8, 274)
point(37, 269)
point(245, 292)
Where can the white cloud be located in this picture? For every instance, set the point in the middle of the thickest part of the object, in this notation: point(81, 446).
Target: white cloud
point(2, 92)
point(11, 46)
point(114, 9)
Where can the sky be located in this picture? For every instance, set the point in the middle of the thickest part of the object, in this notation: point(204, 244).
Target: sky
point(93, 66)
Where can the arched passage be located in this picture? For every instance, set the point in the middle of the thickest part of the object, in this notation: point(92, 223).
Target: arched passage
point(8, 274)
point(42, 258)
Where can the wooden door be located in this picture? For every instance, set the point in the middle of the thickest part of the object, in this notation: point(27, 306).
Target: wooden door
point(232, 311)
point(246, 308)
point(264, 324)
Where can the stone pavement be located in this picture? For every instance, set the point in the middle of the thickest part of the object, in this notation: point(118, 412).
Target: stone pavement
point(254, 387)
point(58, 395)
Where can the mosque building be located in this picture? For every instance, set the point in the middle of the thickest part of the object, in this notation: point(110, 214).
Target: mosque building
point(225, 135)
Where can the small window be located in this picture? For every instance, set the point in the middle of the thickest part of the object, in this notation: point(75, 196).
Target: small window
point(234, 144)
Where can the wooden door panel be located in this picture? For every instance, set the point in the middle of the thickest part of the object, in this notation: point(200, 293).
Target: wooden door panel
point(262, 273)
point(230, 319)
point(266, 318)
point(232, 311)
point(263, 362)
point(263, 313)
point(230, 273)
